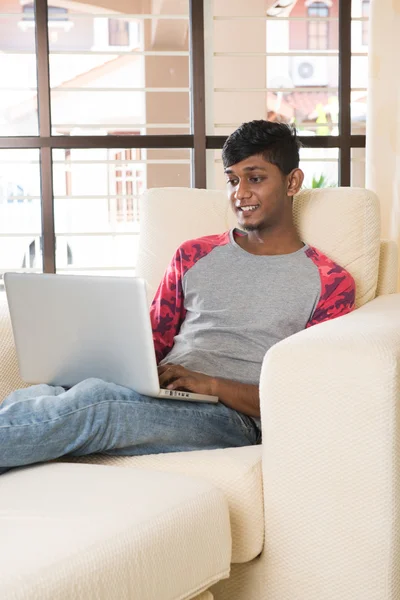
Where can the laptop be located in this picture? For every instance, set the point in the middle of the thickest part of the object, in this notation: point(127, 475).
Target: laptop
point(68, 328)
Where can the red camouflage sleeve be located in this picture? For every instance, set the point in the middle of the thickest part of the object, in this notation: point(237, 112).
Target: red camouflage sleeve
point(167, 311)
point(338, 289)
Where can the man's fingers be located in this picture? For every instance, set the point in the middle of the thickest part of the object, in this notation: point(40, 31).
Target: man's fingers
point(162, 368)
point(169, 367)
point(182, 383)
point(177, 377)
point(165, 377)
point(169, 373)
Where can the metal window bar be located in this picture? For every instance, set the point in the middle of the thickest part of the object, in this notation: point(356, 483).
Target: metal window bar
point(197, 77)
point(44, 113)
point(107, 52)
point(213, 142)
point(345, 56)
point(268, 18)
point(115, 89)
point(123, 16)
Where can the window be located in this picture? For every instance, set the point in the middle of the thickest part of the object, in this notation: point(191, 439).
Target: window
point(20, 218)
point(118, 32)
point(57, 17)
point(127, 94)
point(318, 31)
point(129, 184)
point(56, 13)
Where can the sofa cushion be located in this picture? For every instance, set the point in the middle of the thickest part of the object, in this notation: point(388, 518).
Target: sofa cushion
point(235, 471)
point(344, 223)
point(85, 531)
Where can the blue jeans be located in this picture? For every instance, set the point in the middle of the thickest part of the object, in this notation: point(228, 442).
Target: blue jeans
point(42, 423)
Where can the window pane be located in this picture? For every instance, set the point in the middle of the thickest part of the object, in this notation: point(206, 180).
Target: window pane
point(306, 70)
point(358, 112)
point(120, 73)
point(18, 85)
point(358, 167)
point(96, 191)
point(313, 28)
point(359, 65)
point(318, 9)
point(250, 59)
point(313, 113)
point(360, 8)
point(118, 32)
point(359, 72)
point(20, 211)
point(320, 167)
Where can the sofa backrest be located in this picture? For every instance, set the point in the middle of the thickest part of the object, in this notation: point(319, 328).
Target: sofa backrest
point(344, 223)
point(168, 217)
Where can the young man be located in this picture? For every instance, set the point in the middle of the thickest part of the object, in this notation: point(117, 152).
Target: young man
point(223, 302)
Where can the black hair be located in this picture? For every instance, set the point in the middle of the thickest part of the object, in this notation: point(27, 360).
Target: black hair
point(277, 142)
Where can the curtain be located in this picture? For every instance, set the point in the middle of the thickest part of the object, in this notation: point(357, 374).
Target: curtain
point(383, 118)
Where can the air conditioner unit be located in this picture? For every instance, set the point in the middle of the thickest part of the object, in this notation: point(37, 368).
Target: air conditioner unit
point(309, 71)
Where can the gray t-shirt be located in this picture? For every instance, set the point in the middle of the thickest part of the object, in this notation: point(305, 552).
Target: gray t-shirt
point(220, 308)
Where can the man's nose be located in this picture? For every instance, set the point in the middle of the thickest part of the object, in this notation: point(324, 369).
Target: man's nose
point(242, 191)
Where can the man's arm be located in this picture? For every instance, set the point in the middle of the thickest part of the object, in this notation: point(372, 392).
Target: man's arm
point(338, 289)
point(242, 397)
point(167, 310)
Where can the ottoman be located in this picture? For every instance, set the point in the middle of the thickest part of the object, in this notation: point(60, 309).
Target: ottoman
point(76, 531)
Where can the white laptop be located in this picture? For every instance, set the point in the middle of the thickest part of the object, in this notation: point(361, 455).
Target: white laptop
point(68, 328)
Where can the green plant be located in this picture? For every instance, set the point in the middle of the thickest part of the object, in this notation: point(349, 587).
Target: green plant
point(321, 182)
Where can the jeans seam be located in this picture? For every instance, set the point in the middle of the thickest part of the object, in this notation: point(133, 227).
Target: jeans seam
point(72, 412)
point(58, 417)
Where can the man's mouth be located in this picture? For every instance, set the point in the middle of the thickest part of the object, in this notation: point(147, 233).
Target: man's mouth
point(249, 208)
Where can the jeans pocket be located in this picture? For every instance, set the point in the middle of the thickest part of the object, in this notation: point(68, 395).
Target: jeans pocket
point(252, 431)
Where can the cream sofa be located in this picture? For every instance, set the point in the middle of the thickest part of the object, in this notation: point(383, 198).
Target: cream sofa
point(314, 511)
point(93, 532)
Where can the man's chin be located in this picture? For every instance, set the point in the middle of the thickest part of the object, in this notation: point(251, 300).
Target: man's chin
point(249, 227)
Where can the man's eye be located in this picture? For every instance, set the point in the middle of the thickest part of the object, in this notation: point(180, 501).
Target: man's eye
point(232, 182)
point(256, 179)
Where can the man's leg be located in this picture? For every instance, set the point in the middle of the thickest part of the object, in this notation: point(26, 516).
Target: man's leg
point(95, 416)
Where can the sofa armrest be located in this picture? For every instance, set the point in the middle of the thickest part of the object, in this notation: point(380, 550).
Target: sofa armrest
point(330, 420)
point(10, 379)
point(388, 268)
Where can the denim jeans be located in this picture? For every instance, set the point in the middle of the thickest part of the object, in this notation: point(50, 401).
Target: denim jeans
point(42, 423)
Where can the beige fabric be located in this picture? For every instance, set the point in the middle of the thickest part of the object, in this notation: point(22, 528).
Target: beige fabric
point(9, 373)
point(168, 217)
point(383, 119)
point(205, 596)
point(388, 268)
point(97, 532)
point(342, 222)
point(331, 448)
point(246, 582)
point(235, 471)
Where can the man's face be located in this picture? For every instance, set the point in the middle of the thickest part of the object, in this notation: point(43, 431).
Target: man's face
point(258, 192)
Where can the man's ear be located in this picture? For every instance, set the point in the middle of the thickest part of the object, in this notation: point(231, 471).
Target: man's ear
point(295, 181)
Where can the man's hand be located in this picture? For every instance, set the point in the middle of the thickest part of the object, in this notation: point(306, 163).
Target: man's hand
point(176, 377)
point(243, 397)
